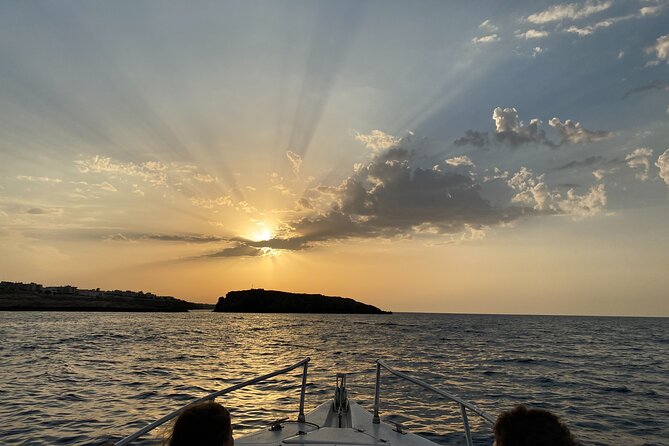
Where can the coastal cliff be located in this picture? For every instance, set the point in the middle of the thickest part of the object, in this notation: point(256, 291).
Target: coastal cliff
point(270, 301)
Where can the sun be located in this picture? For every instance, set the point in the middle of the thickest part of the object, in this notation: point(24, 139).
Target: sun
point(264, 235)
point(261, 233)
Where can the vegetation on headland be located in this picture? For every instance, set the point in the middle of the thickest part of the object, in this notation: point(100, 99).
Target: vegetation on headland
point(35, 297)
point(259, 300)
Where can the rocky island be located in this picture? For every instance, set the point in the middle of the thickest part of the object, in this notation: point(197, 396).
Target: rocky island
point(17, 296)
point(259, 300)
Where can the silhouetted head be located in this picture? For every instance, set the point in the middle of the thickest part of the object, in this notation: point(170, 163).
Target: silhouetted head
point(531, 427)
point(204, 424)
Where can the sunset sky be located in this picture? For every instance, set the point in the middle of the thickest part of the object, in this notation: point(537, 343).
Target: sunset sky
point(495, 157)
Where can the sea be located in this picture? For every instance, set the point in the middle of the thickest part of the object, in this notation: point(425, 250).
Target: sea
point(86, 378)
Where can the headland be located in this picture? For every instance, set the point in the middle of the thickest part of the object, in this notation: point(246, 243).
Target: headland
point(258, 300)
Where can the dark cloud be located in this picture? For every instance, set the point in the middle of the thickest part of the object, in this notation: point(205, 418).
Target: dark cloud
point(44, 211)
point(237, 251)
point(654, 85)
point(186, 238)
point(473, 138)
point(252, 248)
point(587, 162)
point(389, 197)
point(304, 203)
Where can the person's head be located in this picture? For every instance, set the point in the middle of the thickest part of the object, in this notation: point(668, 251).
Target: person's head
point(531, 427)
point(204, 424)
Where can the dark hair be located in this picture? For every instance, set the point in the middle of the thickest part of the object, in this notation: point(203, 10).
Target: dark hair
point(204, 424)
point(531, 427)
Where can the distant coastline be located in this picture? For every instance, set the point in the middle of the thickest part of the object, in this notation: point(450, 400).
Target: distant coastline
point(17, 296)
point(258, 300)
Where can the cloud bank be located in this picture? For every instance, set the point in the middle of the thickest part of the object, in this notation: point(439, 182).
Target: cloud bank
point(511, 131)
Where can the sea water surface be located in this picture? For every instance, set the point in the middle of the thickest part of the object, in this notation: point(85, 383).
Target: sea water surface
point(83, 378)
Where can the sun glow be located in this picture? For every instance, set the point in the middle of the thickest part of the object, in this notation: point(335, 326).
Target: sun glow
point(261, 233)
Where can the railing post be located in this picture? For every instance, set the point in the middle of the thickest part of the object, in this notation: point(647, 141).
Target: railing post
point(300, 417)
point(465, 422)
point(376, 419)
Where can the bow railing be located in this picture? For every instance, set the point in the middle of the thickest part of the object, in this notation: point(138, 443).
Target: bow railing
point(464, 405)
point(210, 397)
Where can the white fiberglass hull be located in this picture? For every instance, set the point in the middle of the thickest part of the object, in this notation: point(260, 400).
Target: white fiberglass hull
point(322, 427)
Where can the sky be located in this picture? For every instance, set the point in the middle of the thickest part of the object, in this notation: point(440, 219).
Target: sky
point(487, 157)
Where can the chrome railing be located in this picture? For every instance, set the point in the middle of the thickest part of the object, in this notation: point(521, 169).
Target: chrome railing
point(300, 418)
point(464, 405)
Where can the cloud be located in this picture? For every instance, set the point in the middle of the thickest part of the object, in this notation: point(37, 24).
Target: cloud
point(651, 10)
point(105, 186)
point(295, 160)
point(661, 50)
point(650, 86)
point(151, 171)
point(187, 238)
point(137, 191)
point(117, 237)
point(532, 34)
point(237, 251)
point(536, 51)
point(154, 173)
point(250, 248)
point(663, 164)
point(204, 178)
point(496, 174)
point(377, 140)
point(639, 161)
point(580, 31)
point(600, 173)
point(511, 130)
point(38, 179)
point(574, 133)
point(473, 138)
point(304, 204)
point(282, 188)
point(488, 26)
point(486, 39)
point(462, 160)
point(44, 211)
point(389, 197)
point(223, 200)
point(591, 29)
point(569, 11)
point(587, 162)
point(210, 203)
point(533, 192)
point(180, 238)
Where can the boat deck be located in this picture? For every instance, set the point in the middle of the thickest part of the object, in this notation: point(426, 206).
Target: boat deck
point(322, 427)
